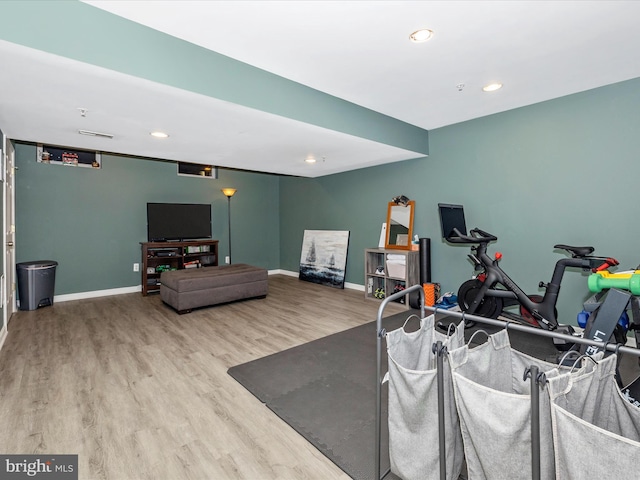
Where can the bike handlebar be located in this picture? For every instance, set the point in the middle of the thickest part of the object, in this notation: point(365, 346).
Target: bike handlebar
point(477, 236)
point(596, 264)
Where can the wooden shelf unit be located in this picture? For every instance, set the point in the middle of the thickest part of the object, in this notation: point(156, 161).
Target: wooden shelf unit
point(379, 275)
point(160, 256)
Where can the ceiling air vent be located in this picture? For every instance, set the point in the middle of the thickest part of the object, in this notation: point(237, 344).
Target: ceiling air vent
point(95, 134)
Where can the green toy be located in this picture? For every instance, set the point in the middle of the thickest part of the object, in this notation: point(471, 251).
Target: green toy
point(629, 281)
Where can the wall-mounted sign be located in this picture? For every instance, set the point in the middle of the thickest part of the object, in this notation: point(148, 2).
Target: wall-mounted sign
point(68, 156)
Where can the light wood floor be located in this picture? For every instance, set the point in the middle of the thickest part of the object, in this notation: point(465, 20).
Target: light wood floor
point(140, 392)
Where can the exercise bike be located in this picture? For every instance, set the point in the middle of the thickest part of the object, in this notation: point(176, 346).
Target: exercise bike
point(492, 290)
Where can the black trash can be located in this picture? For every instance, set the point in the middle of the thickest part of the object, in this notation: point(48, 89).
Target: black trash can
point(36, 283)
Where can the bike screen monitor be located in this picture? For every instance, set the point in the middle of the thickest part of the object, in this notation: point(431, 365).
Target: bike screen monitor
point(451, 216)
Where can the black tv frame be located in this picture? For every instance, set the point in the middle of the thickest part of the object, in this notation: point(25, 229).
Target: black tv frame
point(180, 223)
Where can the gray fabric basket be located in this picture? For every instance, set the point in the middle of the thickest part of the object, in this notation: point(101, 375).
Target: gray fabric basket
point(596, 431)
point(413, 403)
point(494, 406)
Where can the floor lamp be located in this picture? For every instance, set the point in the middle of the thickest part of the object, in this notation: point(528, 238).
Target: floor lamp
point(229, 192)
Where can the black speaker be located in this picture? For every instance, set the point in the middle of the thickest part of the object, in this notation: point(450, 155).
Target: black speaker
point(425, 270)
point(425, 260)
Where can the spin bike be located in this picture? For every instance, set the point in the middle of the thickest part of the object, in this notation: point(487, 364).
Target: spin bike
point(491, 290)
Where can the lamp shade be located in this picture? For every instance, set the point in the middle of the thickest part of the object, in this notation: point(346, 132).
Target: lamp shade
point(229, 192)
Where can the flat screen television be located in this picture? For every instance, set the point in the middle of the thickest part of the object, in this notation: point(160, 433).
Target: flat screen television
point(451, 216)
point(178, 221)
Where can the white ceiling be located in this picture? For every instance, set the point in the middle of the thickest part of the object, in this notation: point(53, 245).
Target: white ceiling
point(355, 50)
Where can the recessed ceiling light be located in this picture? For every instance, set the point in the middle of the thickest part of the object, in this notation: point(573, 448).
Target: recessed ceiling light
point(159, 134)
point(492, 87)
point(420, 36)
point(310, 160)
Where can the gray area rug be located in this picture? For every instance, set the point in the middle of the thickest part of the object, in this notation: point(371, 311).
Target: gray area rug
point(325, 389)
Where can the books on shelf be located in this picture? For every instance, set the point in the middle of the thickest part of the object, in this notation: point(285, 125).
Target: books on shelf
point(198, 248)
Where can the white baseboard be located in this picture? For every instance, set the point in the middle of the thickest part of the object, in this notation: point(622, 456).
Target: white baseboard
point(96, 293)
point(138, 288)
point(289, 273)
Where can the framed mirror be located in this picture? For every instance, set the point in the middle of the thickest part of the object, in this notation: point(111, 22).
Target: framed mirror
point(400, 225)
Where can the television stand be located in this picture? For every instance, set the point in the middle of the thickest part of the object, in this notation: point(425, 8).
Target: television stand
point(162, 256)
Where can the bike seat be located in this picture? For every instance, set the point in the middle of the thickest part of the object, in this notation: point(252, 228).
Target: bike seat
point(576, 251)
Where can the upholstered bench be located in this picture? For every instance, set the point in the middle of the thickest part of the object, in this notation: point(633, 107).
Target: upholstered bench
point(202, 287)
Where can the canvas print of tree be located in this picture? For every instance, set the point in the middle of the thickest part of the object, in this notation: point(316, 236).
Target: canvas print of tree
point(324, 257)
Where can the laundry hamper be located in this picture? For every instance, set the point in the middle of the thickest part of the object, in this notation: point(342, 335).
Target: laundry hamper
point(413, 403)
point(493, 400)
point(596, 431)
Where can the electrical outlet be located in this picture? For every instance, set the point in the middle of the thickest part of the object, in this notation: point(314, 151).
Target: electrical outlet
point(227, 260)
point(136, 267)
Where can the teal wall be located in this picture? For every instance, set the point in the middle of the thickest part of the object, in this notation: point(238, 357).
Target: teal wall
point(92, 221)
point(562, 171)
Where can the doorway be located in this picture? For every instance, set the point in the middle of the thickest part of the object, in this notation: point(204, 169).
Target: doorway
point(8, 279)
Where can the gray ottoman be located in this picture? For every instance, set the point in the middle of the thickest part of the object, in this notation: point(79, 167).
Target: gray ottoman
point(202, 287)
